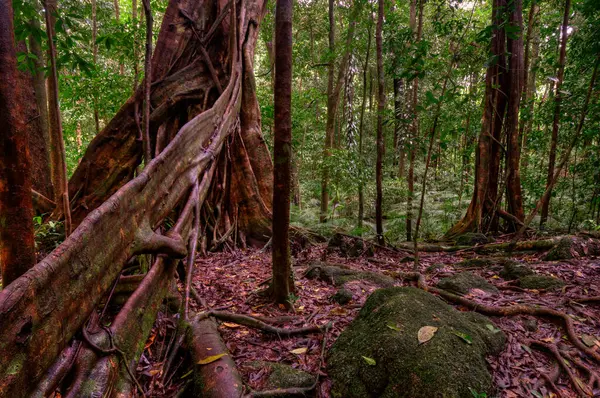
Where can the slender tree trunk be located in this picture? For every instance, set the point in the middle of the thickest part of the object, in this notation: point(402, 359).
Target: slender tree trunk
point(565, 156)
point(529, 69)
point(282, 151)
point(361, 199)
point(41, 166)
point(398, 116)
point(147, 82)
point(514, 195)
point(17, 248)
point(334, 87)
point(95, 59)
point(557, 106)
point(380, 110)
point(118, 19)
point(134, 17)
point(414, 124)
point(59, 171)
point(330, 117)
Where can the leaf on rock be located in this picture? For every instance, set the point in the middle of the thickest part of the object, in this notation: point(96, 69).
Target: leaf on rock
point(394, 327)
point(369, 361)
point(211, 359)
point(426, 333)
point(465, 337)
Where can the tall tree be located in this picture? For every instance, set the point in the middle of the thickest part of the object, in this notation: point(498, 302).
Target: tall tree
point(58, 157)
point(361, 199)
point(515, 76)
point(417, 29)
point(334, 88)
point(564, 33)
point(147, 82)
point(380, 110)
point(17, 251)
point(282, 153)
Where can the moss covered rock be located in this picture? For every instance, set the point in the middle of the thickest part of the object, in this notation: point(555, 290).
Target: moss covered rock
point(471, 239)
point(349, 247)
point(540, 282)
point(379, 354)
point(282, 375)
point(338, 274)
point(464, 282)
point(515, 270)
point(571, 247)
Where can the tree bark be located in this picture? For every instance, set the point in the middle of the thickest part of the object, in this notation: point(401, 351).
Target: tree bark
point(557, 106)
point(17, 248)
point(380, 110)
point(282, 152)
point(147, 80)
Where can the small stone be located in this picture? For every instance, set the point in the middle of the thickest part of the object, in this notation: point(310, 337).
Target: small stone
point(530, 324)
point(435, 267)
point(407, 259)
point(342, 296)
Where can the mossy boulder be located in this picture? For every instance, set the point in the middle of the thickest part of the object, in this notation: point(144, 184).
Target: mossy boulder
point(282, 375)
point(386, 330)
point(339, 274)
point(464, 282)
point(515, 270)
point(540, 282)
point(435, 267)
point(471, 239)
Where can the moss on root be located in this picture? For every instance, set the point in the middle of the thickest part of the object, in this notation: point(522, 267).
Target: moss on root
point(386, 331)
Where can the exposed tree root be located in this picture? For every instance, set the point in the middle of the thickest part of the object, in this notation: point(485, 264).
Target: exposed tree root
point(256, 323)
point(581, 388)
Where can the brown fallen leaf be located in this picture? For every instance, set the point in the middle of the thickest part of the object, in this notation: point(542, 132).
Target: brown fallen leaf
point(426, 333)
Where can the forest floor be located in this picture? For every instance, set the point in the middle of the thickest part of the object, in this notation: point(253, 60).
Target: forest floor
point(232, 281)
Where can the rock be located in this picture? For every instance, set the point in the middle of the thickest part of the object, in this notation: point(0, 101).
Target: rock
point(339, 274)
point(571, 246)
point(540, 282)
point(386, 330)
point(282, 375)
point(530, 324)
point(464, 282)
point(348, 246)
point(471, 239)
point(515, 270)
point(407, 259)
point(342, 296)
point(435, 267)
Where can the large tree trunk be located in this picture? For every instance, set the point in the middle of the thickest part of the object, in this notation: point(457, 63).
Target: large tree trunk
point(361, 199)
point(557, 105)
point(482, 212)
point(17, 251)
point(43, 310)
